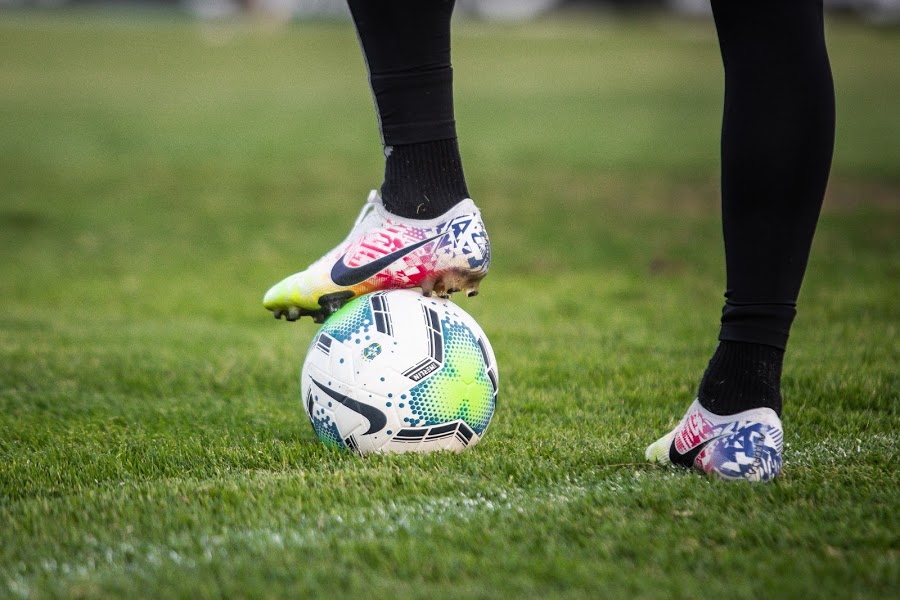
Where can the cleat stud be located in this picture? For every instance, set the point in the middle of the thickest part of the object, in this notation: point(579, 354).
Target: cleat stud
point(331, 303)
point(277, 314)
point(472, 288)
point(318, 317)
point(293, 313)
point(427, 288)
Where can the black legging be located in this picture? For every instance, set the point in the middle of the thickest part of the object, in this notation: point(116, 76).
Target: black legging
point(777, 141)
point(777, 133)
point(406, 44)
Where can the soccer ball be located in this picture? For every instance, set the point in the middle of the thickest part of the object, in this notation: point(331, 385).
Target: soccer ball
point(398, 372)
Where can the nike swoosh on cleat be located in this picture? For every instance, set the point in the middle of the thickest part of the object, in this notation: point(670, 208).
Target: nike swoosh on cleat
point(377, 419)
point(687, 459)
point(343, 275)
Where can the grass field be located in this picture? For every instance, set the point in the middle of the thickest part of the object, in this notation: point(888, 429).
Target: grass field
point(156, 177)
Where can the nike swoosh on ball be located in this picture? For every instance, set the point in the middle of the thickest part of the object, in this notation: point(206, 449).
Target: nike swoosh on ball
point(377, 419)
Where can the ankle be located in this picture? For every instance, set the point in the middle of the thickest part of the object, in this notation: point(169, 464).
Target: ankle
point(424, 180)
point(742, 376)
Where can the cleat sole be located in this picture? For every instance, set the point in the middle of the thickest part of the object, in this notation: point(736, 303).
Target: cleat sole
point(450, 282)
point(328, 305)
point(442, 285)
point(333, 302)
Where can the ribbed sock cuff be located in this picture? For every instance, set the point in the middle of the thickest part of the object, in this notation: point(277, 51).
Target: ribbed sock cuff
point(423, 181)
point(742, 376)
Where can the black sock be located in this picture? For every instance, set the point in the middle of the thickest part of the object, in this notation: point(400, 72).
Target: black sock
point(423, 181)
point(742, 376)
point(406, 44)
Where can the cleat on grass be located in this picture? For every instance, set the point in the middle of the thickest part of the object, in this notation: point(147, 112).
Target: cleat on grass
point(744, 446)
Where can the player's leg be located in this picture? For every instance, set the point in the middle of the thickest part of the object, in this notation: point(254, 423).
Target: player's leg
point(423, 230)
point(406, 44)
point(777, 142)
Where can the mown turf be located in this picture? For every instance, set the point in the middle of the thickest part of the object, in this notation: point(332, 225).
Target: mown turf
point(158, 175)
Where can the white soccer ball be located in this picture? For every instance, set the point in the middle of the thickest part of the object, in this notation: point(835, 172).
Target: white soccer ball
point(398, 372)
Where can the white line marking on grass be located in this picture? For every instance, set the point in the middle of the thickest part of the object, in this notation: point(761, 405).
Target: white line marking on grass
point(187, 551)
point(830, 451)
point(371, 523)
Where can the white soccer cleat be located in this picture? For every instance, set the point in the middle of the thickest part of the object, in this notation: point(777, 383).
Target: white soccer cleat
point(746, 445)
point(447, 254)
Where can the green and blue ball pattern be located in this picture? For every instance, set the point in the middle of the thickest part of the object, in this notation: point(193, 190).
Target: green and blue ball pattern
point(351, 321)
point(326, 429)
point(461, 389)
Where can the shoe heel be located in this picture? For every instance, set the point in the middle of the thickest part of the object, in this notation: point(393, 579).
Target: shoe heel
point(752, 453)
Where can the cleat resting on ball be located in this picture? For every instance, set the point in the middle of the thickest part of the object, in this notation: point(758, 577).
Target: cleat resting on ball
point(447, 254)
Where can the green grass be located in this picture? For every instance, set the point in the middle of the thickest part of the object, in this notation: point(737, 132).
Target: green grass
point(157, 176)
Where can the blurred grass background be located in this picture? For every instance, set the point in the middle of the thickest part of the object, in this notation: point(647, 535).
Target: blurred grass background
point(158, 174)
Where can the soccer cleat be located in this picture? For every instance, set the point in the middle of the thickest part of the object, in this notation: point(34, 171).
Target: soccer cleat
point(746, 445)
point(448, 254)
